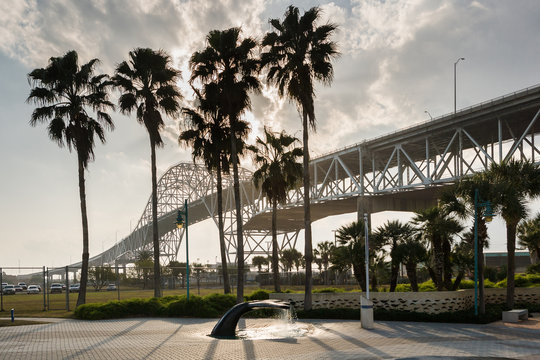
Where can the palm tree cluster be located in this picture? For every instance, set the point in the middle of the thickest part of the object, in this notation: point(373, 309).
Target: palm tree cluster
point(224, 74)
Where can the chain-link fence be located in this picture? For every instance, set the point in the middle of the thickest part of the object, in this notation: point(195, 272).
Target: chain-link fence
point(34, 289)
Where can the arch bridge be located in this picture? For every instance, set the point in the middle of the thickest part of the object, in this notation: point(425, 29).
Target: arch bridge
point(400, 171)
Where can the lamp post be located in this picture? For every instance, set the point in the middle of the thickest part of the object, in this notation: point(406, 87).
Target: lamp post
point(455, 65)
point(427, 112)
point(488, 214)
point(366, 227)
point(180, 222)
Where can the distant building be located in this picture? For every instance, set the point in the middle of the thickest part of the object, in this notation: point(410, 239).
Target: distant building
point(498, 259)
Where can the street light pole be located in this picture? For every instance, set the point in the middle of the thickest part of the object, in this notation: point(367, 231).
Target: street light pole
point(455, 65)
point(179, 224)
point(488, 214)
point(366, 227)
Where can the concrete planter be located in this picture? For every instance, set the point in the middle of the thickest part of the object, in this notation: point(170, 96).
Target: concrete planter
point(432, 302)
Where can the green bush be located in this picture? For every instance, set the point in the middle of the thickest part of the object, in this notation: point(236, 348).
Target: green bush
point(534, 278)
point(221, 302)
point(466, 284)
point(533, 269)
point(258, 295)
point(328, 290)
point(427, 286)
point(521, 280)
point(403, 288)
point(488, 284)
point(501, 284)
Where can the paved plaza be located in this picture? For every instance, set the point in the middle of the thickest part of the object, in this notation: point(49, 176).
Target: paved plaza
point(164, 338)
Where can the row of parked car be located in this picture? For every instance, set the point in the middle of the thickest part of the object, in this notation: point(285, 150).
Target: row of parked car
point(8, 289)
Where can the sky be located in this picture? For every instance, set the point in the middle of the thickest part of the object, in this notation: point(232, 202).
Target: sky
point(397, 61)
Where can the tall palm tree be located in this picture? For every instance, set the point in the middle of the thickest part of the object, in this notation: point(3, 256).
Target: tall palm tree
point(230, 64)
point(278, 173)
point(528, 232)
point(65, 92)
point(392, 233)
point(517, 181)
point(299, 53)
point(438, 227)
point(147, 82)
point(208, 137)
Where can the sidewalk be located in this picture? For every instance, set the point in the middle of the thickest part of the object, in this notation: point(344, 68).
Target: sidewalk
point(187, 338)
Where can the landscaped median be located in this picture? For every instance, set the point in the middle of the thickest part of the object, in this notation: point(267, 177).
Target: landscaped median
point(326, 305)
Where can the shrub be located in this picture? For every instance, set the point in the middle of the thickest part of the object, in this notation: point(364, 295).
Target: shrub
point(329, 290)
point(427, 286)
point(466, 284)
point(403, 288)
point(533, 269)
point(521, 280)
point(534, 278)
point(258, 295)
point(221, 302)
point(488, 284)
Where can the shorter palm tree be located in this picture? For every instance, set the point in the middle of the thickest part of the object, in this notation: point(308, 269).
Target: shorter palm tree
point(259, 261)
point(324, 251)
point(411, 252)
point(391, 234)
point(278, 173)
point(528, 232)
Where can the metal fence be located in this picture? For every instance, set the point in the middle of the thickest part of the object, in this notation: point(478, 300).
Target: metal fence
point(58, 287)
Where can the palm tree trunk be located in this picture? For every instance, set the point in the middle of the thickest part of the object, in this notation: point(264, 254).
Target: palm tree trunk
point(411, 274)
point(239, 225)
point(308, 250)
point(155, 233)
point(224, 260)
point(447, 265)
point(394, 269)
point(511, 249)
point(81, 299)
point(275, 259)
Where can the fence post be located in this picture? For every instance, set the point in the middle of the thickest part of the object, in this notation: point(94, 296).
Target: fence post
point(67, 288)
point(1, 292)
point(47, 290)
point(117, 279)
point(44, 290)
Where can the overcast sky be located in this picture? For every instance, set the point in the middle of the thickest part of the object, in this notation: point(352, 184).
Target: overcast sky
point(397, 60)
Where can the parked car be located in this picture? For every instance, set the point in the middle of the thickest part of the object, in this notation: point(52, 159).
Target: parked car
point(18, 288)
point(74, 288)
point(23, 285)
point(32, 289)
point(111, 287)
point(56, 288)
point(9, 290)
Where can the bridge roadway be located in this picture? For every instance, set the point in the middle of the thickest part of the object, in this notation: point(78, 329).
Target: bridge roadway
point(400, 171)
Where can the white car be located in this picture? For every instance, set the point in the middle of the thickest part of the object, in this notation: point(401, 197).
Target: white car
point(32, 289)
point(9, 290)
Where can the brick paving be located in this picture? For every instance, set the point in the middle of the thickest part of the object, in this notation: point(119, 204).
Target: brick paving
point(165, 338)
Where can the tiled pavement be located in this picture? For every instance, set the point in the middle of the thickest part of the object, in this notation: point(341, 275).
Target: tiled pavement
point(325, 339)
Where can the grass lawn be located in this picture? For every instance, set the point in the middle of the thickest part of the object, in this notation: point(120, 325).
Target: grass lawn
point(7, 322)
point(32, 305)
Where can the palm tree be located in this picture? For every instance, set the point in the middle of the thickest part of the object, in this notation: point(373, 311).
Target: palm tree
point(259, 261)
point(516, 182)
point(230, 64)
point(144, 264)
point(148, 86)
point(438, 227)
point(459, 199)
point(411, 252)
point(299, 52)
point(324, 250)
point(208, 137)
point(528, 232)
point(393, 233)
point(290, 257)
point(65, 92)
point(351, 237)
point(278, 173)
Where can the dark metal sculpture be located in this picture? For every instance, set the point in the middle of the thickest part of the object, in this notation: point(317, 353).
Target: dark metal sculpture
point(226, 326)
